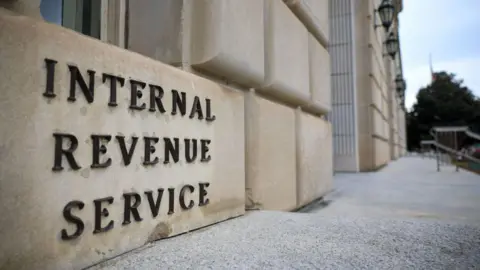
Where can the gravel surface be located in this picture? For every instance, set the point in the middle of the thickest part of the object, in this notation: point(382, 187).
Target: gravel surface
point(406, 216)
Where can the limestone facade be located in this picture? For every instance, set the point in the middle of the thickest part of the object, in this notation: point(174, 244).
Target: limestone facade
point(147, 119)
point(366, 111)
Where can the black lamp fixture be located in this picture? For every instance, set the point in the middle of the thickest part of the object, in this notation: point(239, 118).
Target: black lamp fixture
point(386, 10)
point(400, 84)
point(392, 45)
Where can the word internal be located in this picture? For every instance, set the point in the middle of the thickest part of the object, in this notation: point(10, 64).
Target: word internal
point(157, 95)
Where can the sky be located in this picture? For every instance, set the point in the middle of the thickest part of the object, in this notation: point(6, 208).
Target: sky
point(449, 30)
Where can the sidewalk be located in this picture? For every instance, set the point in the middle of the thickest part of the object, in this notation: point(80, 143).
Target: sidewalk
point(404, 216)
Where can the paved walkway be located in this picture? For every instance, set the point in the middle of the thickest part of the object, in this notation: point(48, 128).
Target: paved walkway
point(406, 216)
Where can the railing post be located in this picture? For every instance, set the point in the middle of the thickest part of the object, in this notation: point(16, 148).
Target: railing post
point(456, 152)
point(437, 152)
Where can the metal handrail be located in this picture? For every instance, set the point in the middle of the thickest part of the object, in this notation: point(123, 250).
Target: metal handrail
point(447, 149)
point(453, 151)
point(472, 134)
point(465, 129)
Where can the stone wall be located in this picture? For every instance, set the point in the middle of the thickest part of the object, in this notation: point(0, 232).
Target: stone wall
point(363, 82)
point(277, 58)
point(213, 107)
point(377, 84)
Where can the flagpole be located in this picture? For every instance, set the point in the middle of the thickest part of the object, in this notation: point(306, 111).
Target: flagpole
point(432, 74)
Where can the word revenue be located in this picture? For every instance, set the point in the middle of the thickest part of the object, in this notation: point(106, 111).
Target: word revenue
point(199, 109)
point(131, 212)
point(67, 144)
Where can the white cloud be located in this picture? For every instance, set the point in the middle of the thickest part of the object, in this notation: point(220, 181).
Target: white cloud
point(466, 69)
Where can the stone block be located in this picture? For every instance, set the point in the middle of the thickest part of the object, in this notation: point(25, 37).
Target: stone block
point(320, 86)
point(29, 8)
point(381, 152)
point(314, 158)
point(345, 163)
point(270, 155)
point(155, 29)
point(377, 122)
point(365, 118)
point(314, 14)
point(366, 152)
point(376, 94)
point(227, 39)
point(104, 150)
point(286, 55)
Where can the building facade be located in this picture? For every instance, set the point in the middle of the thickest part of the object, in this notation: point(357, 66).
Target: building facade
point(368, 116)
point(130, 121)
point(126, 122)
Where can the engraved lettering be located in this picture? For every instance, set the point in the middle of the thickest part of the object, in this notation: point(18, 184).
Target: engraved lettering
point(171, 201)
point(179, 101)
point(154, 205)
point(182, 197)
point(135, 94)
point(204, 151)
point(150, 149)
point(196, 109)
point(114, 80)
point(210, 117)
point(100, 213)
point(49, 85)
point(69, 217)
point(126, 154)
point(99, 149)
point(131, 209)
point(202, 193)
point(190, 151)
point(68, 153)
point(171, 150)
point(76, 78)
point(156, 95)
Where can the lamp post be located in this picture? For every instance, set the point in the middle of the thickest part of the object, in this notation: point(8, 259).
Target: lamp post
point(400, 86)
point(386, 10)
point(392, 45)
point(400, 83)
